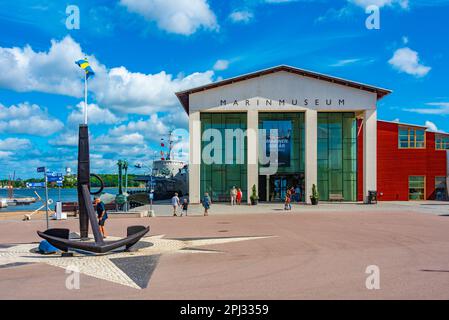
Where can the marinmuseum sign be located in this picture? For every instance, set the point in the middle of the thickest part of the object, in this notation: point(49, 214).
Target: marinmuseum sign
point(316, 102)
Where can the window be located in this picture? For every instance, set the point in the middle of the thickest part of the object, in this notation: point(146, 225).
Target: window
point(440, 189)
point(412, 138)
point(441, 142)
point(337, 155)
point(416, 187)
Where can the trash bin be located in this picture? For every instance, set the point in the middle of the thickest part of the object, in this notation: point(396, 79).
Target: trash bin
point(372, 197)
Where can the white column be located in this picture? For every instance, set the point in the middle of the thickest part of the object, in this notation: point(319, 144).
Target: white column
point(253, 151)
point(195, 157)
point(369, 152)
point(311, 152)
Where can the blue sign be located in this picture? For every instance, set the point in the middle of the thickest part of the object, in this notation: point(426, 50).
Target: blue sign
point(55, 179)
point(41, 169)
point(151, 196)
point(54, 174)
point(59, 183)
point(35, 184)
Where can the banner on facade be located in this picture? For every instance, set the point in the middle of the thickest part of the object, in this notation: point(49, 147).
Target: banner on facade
point(283, 140)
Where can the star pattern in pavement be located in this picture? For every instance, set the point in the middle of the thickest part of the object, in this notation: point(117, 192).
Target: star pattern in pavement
point(132, 269)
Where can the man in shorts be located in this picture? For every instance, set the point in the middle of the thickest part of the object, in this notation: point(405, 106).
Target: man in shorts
point(175, 203)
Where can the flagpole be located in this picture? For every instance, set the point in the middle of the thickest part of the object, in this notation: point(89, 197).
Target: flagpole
point(85, 98)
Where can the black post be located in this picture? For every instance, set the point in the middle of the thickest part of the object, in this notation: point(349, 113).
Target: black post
point(83, 177)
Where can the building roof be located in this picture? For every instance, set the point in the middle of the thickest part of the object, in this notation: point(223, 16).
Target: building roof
point(183, 96)
point(414, 125)
point(403, 124)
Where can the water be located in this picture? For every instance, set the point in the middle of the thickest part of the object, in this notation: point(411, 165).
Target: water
point(67, 195)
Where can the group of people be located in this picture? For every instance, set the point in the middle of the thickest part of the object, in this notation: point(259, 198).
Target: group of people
point(292, 194)
point(176, 203)
point(236, 196)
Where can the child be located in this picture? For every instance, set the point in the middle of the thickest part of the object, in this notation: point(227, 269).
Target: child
point(239, 196)
point(206, 204)
point(184, 207)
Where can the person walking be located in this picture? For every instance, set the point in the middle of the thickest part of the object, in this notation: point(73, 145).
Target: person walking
point(239, 196)
point(175, 203)
point(102, 215)
point(206, 203)
point(298, 193)
point(184, 207)
point(287, 202)
point(233, 195)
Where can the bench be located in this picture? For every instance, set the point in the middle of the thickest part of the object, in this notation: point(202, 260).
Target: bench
point(336, 197)
point(73, 207)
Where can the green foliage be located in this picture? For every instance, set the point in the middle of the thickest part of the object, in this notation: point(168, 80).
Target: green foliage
point(254, 195)
point(315, 194)
point(69, 182)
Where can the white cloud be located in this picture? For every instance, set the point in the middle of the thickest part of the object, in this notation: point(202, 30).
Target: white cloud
point(436, 108)
point(124, 139)
point(221, 65)
point(140, 93)
point(152, 128)
point(13, 144)
point(406, 60)
point(431, 126)
point(183, 17)
point(96, 115)
point(404, 4)
point(27, 118)
point(5, 154)
point(345, 62)
point(243, 16)
point(65, 139)
point(117, 88)
point(51, 72)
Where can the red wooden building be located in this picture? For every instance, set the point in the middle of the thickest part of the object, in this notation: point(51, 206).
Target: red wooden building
point(412, 163)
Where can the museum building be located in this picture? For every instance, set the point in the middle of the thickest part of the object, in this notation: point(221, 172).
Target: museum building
point(328, 135)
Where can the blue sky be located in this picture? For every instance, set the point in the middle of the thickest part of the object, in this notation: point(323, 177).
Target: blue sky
point(145, 50)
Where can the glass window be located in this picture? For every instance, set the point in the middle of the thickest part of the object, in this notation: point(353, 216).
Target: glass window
point(441, 142)
point(337, 155)
point(440, 189)
point(218, 178)
point(417, 187)
point(412, 138)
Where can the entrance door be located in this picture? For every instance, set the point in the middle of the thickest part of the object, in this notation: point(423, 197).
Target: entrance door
point(279, 184)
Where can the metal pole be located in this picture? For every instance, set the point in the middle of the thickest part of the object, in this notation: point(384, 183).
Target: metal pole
point(85, 98)
point(46, 196)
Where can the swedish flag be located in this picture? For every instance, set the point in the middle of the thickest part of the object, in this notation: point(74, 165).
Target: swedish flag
point(84, 64)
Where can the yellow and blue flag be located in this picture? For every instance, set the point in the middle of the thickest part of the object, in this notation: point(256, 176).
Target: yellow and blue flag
point(84, 64)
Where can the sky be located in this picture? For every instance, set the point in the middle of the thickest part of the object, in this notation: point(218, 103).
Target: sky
point(143, 51)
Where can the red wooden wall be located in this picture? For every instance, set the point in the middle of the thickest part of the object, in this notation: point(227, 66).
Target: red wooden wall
point(394, 165)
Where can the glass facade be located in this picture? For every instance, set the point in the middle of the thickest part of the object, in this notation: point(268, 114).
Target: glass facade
point(231, 170)
point(290, 171)
point(337, 156)
point(440, 189)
